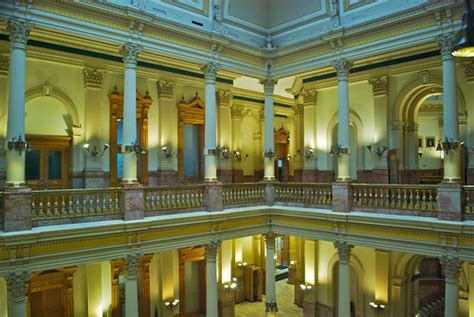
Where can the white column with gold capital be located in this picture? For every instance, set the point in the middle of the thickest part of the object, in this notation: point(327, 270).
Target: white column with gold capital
point(19, 31)
point(17, 285)
point(342, 67)
point(210, 127)
point(452, 161)
point(271, 306)
point(344, 287)
point(451, 268)
point(131, 284)
point(211, 275)
point(130, 53)
point(269, 143)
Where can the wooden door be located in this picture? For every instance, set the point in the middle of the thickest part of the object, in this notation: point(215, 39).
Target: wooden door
point(48, 162)
point(196, 254)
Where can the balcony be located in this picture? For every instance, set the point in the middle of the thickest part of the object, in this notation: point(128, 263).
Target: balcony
point(23, 209)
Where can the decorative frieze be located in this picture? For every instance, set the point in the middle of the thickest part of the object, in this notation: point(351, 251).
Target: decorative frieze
point(93, 77)
point(131, 264)
point(451, 267)
point(211, 250)
point(130, 52)
point(210, 71)
point(342, 67)
point(165, 89)
point(310, 97)
point(379, 86)
point(19, 32)
point(223, 97)
point(17, 284)
point(344, 251)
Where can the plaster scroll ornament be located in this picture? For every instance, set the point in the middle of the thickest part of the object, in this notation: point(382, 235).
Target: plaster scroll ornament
point(379, 85)
point(165, 89)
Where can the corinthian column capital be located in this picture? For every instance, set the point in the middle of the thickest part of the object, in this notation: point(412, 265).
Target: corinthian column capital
point(131, 264)
point(451, 267)
point(93, 77)
point(344, 251)
point(165, 89)
point(210, 71)
point(19, 32)
point(130, 52)
point(446, 44)
point(17, 284)
point(310, 97)
point(211, 250)
point(342, 67)
point(268, 85)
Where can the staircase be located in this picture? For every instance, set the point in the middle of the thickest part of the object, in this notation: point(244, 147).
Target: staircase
point(435, 308)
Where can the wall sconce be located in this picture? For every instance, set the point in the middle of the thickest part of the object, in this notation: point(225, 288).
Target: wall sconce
point(95, 152)
point(241, 265)
point(167, 151)
point(19, 145)
point(293, 264)
point(309, 153)
point(378, 152)
point(230, 285)
point(237, 155)
point(448, 145)
point(338, 150)
point(135, 147)
point(222, 152)
point(269, 153)
point(306, 288)
point(171, 305)
point(377, 307)
point(420, 154)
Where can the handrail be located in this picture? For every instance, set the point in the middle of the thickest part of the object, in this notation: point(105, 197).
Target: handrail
point(69, 203)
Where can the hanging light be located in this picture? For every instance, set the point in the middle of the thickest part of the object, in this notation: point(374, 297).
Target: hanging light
point(464, 45)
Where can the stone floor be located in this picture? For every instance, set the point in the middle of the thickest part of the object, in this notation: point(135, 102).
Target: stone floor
point(285, 298)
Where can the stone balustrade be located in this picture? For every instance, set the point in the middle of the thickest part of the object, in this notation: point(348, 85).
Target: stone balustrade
point(23, 209)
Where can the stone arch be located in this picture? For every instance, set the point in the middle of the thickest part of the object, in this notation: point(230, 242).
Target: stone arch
point(356, 264)
point(53, 92)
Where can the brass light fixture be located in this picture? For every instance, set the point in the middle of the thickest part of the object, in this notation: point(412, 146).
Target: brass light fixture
point(377, 307)
point(309, 153)
point(338, 150)
point(95, 152)
point(19, 145)
point(168, 151)
point(269, 153)
point(448, 145)
point(378, 152)
point(464, 44)
point(135, 147)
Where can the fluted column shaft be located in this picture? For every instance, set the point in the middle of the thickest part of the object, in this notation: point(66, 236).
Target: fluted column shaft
point(451, 268)
point(130, 56)
point(344, 299)
point(131, 285)
point(452, 161)
point(270, 293)
point(343, 139)
point(210, 127)
point(269, 142)
point(17, 285)
point(211, 282)
point(19, 31)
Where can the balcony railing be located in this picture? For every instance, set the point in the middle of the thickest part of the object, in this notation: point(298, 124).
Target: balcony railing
point(395, 197)
point(166, 198)
point(304, 194)
point(242, 194)
point(74, 203)
point(49, 207)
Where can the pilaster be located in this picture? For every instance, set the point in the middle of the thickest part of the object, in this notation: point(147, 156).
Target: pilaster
point(310, 98)
point(380, 94)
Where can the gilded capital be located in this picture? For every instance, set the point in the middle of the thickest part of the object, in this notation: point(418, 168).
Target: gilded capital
point(268, 85)
point(130, 52)
point(451, 267)
point(223, 97)
point(236, 111)
point(17, 284)
point(344, 251)
point(446, 44)
point(210, 71)
point(310, 97)
point(131, 264)
point(211, 250)
point(297, 110)
point(19, 32)
point(4, 65)
point(270, 240)
point(379, 86)
point(93, 77)
point(469, 71)
point(165, 89)
point(342, 67)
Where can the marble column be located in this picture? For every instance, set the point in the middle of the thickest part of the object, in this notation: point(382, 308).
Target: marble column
point(344, 299)
point(19, 31)
point(469, 95)
point(210, 138)
point(130, 55)
point(381, 108)
point(452, 160)
point(4, 64)
point(310, 98)
point(271, 306)
point(17, 285)
point(342, 67)
point(131, 284)
point(451, 269)
point(269, 143)
point(93, 173)
point(211, 278)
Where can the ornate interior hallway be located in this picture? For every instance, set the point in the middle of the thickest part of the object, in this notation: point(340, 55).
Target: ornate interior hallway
point(285, 296)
